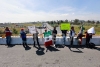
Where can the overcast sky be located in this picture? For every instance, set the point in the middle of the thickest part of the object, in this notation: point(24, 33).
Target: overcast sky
point(48, 10)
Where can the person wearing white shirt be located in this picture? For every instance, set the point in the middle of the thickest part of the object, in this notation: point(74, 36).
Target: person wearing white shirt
point(35, 38)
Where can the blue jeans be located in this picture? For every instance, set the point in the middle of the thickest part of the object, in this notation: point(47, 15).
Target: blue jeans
point(64, 39)
point(8, 40)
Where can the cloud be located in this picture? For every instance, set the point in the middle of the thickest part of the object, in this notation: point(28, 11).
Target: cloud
point(63, 9)
point(73, 13)
point(24, 11)
point(12, 7)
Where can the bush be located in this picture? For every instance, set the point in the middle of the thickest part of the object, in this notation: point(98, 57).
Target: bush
point(15, 31)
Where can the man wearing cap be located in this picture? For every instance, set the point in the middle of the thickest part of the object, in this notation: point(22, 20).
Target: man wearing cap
point(23, 36)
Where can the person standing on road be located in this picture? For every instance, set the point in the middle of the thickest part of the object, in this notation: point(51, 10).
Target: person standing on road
point(54, 33)
point(71, 35)
point(88, 37)
point(24, 39)
point(8, 36)
point(35, 38)
point(64, 32)
point(80, 35)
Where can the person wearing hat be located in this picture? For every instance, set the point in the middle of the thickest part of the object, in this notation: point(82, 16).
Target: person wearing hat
point(8, 36)
point(24, 39)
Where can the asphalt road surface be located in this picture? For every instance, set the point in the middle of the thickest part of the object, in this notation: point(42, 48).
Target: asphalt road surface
point(17, 56)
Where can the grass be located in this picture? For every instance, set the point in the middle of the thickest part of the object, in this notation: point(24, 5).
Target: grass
point(18, 27)
point(97, 29)
point(87, 26)
point(24, 25)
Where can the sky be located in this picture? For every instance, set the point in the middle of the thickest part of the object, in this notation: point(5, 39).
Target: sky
point(18, 11)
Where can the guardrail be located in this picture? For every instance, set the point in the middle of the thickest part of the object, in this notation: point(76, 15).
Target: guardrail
point(59, 40)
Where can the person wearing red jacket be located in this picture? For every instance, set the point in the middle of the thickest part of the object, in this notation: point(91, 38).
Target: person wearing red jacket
point(8, 36)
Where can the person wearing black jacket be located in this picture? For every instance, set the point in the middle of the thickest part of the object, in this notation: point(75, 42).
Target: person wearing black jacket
point(88, 37)
point(54, 33)
point(71, 35)
point(64, 32)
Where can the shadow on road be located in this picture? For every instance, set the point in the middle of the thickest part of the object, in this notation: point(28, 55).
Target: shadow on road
point(50, 48)
point(78, 51)
point(40, 51)
point(77, 47)
point(97, 48)
point(59, 46)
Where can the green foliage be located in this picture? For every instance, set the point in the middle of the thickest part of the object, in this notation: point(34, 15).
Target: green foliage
point(80, 27)
point(1, 32)
point(76, 23)
point(15, 31)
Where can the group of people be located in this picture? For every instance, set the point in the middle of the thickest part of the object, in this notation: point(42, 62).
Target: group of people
point(72, 34)
point(80, 34)
point(8, 34)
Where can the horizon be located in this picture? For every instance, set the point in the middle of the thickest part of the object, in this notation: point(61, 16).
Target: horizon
point(19, 11)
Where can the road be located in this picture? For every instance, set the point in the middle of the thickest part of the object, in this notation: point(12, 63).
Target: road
point(17, 56)
point(49, 28)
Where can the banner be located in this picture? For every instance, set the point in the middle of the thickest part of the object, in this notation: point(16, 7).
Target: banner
point(65, 26)
point(91, 30)
point(32, 29)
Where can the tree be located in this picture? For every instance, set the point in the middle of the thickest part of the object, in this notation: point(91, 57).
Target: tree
point(66, 20)
point(93, 22)
point(89, 21)
point(98, 22)
point(76, 21)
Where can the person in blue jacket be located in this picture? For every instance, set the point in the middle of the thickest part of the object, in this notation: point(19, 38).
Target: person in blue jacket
point(24, 39)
